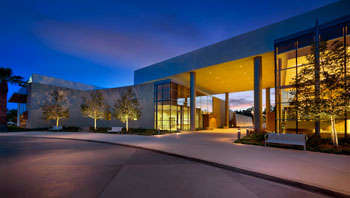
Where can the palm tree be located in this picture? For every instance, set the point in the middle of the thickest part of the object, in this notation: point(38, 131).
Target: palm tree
point(6, 77)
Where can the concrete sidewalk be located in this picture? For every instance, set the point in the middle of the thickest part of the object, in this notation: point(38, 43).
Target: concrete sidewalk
point(322, 170)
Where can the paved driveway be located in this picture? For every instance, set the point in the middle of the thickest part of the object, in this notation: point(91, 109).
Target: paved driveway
point(326, 171)
point(39, 167)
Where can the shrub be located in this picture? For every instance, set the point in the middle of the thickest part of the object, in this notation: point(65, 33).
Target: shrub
point(99, 129)
point(315, 143)
point(314, 140)
point(19, 129)
point(71, 129)
point(344, 141)
point(253, 138)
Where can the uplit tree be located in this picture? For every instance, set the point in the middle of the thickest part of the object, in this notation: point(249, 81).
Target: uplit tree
point(5, 78)
point(127, 108)
point(94, 107)
point(332, 100)
point(55, 110)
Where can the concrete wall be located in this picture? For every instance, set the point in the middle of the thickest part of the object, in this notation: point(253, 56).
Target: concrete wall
point(218, 118)
point(243, 121)
point(38, 94)
point(47, 80)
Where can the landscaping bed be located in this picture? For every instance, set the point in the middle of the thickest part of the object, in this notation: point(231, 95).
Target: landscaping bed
point(132, 131)
point(315, 143)
point(13, 128)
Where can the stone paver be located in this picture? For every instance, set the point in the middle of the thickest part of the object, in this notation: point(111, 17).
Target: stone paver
point(326, 171)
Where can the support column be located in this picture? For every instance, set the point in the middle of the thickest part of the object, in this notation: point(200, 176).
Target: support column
point(317, 74)
point(257, 94)
point(268, 106)
point(227, 111)
point(18, 114)
point(278, 98)
point(346, 87)
point(193, 100)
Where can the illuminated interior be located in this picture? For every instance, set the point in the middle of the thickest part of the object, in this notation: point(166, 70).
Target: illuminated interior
point(278, 70)
point(291, 58)
point(172, 106)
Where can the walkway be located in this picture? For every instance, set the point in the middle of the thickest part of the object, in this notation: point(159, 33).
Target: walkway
point(322, 170)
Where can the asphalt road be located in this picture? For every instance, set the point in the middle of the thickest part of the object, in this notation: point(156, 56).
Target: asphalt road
point(38, 167)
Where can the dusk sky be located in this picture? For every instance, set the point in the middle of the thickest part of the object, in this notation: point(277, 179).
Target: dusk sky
point(103, 42)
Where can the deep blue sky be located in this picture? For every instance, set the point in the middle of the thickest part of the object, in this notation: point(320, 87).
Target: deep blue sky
point(103, 42)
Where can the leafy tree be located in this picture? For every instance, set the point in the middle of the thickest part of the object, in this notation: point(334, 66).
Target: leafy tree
point(12, 115)
point(54, 110)
point(332, 100)
point(95, 107)
point(246, 112)
point(127, 108)
point(5, 78)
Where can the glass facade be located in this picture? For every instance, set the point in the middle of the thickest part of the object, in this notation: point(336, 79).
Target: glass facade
point(172, 106)
point(293, 57)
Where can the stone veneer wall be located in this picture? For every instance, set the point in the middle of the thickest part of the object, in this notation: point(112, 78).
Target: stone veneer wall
point(38, 94)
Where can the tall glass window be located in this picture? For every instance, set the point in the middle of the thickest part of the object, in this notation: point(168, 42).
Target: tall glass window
point(347, 77)
point(172, 106)
point(292, 57)
point(286, 66)
point(305, 124)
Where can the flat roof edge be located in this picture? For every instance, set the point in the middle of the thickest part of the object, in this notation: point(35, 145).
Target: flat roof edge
point(248, 44)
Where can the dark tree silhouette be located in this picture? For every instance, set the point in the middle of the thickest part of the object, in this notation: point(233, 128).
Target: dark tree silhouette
point(5, 78)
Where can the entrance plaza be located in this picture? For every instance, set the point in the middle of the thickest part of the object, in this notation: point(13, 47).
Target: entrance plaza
point(180, 93)
point(266, 58)
point(325, 171)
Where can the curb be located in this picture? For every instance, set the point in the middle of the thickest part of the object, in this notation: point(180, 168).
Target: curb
point(303, 186)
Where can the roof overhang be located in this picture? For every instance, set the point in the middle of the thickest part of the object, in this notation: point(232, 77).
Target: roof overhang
point(233, 76)
point(18, 98)
point(250, 44)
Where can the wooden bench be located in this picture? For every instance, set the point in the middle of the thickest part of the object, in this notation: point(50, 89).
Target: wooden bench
point(115, 130)
point(283, 138)
point(56, 128)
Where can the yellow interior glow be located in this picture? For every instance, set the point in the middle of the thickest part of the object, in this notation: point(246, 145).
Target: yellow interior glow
point(233, 76)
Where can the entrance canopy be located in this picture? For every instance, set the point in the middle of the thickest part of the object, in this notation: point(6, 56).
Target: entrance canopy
point(229, 55)
point(233, 76)
point(20, 96)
